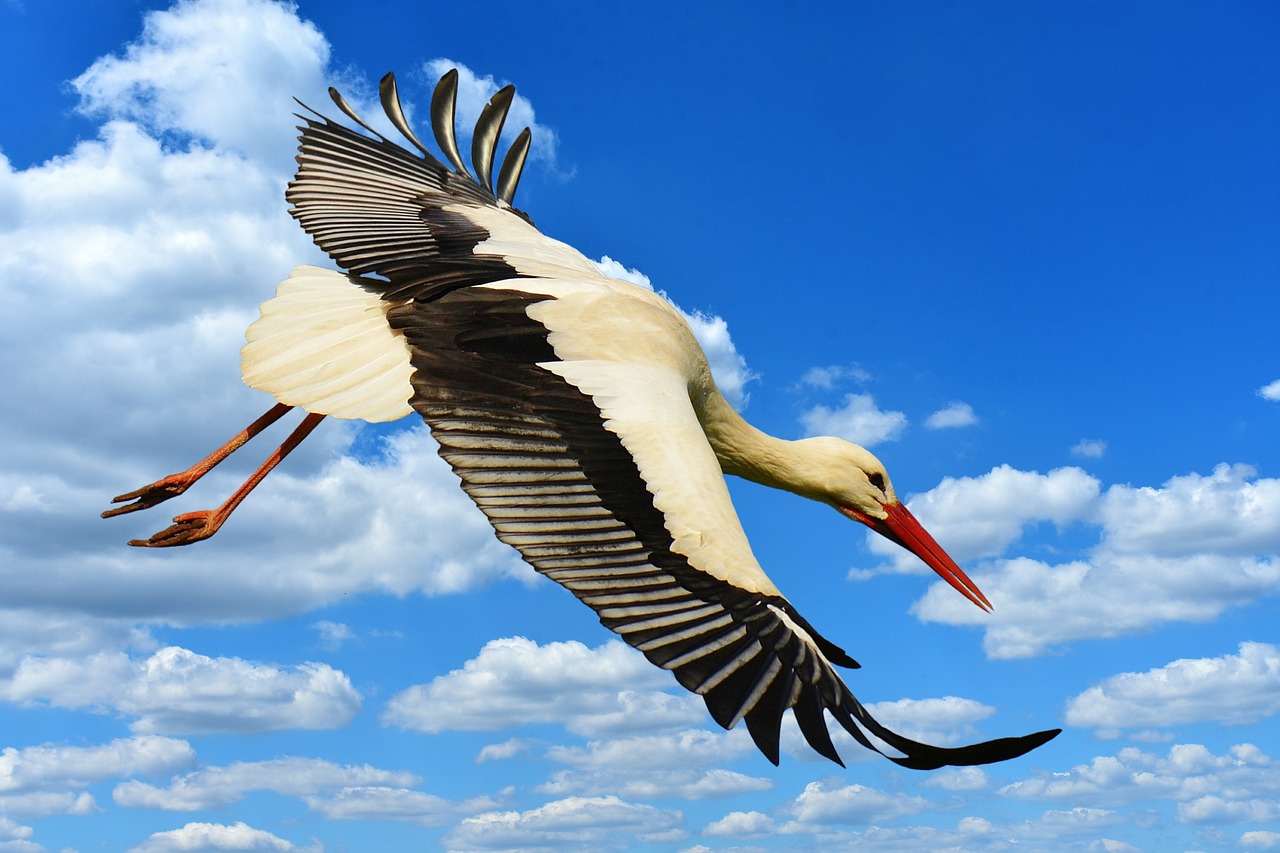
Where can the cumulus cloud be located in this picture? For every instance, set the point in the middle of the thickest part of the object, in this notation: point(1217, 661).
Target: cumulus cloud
point(209, 837)
point(379, 802)
point(222, 71)
point(509, 748)
point(619, 270)
point(1270, 391)
point(221, 786)
point(1068, 829)
point(681, 764)
point(976, 517)
point(163, 231)
point(585, 822)
point(951, 416)
point(515, 681)
point(178, 691)
point(1089, 448)
point(38, 781)
point(741, 825)
point(1260, 840)
point(941, 721)
point(332, 634)
point(958, 779)
point(857, 419)
point(1040, 606)
point(1212, 541)
point(1186, 775)
point(1229, 512)
point(1231, 690)
point(832, 376)
point(13, 836)
point(852, 804)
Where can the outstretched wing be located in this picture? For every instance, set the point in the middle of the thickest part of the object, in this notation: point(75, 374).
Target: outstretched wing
point(379, 210)
point(599, 473)
point(561, 399)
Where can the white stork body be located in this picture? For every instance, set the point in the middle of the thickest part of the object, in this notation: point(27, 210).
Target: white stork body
point(578, 411)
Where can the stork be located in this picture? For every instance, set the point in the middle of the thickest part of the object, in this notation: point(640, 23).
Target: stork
point(577, 410)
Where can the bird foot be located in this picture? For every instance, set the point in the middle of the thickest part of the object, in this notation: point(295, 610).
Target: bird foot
point(148, 496)
point(186, 528)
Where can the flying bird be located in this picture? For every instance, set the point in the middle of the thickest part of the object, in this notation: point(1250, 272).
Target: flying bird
point(578, 411)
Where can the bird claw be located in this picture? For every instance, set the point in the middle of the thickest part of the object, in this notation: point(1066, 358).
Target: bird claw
point(186, 528)
point(148, 496)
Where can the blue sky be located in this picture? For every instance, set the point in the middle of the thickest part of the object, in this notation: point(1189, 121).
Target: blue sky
point(1026, 252)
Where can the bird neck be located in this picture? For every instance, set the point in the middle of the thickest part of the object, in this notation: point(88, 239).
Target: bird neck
point(752, 454)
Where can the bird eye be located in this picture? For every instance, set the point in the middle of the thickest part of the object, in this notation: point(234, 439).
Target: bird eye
point(877, 480)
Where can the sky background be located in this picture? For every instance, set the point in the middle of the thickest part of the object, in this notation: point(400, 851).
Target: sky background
point(1027, 252)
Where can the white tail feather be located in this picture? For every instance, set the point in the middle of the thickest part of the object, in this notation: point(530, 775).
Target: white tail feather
point(323, 343)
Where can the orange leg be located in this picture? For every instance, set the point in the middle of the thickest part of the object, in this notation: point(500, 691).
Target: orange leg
point(175, 484)
point(195, 526)
point(201, 524)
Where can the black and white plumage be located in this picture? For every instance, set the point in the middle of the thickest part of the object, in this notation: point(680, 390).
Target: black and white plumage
point(578, 411)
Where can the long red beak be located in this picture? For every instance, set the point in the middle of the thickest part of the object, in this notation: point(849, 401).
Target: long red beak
point(900, 526)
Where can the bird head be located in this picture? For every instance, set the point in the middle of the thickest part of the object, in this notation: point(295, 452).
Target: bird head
point(865, 494)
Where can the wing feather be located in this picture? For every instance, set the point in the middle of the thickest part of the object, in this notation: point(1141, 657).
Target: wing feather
point(562, 478)
point(593, 466)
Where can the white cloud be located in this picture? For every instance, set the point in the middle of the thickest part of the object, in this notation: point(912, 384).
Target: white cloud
point(618, 270)
point(162, 233)
point(386, 803)
point(509, 748)
point(728, 367)
point(952, 415)
point(1186, 775)
point(221, 786)
point(26, 632)
point(1041, 606)
point(39, 781)
point(515, 681)
point(1073, 829)
point(682, 764)
point(1214, 809)
point(649, 753)
point(741, 825)
point(975, 517)
point(210, 837)
point(36, 804)
point(958, 779)
point(10, 829)
point(831, 376)
point(1212, 541)
point(332, 634)
point(1260, 840)
point(858, 419)
point(940, 721)
point(584, 822)
point(224, 71)
point(852, 804)
point(1089, 448)
point(684, 784)
point(1270, 391)
point(1222, 513)
point(1231, 690)
point(36, 768)
point(178, 691)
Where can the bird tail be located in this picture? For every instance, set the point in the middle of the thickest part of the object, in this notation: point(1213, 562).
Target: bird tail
point(323, 343)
